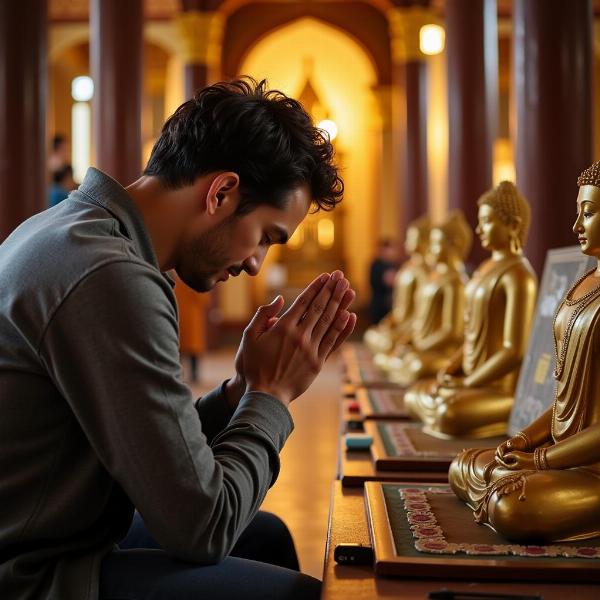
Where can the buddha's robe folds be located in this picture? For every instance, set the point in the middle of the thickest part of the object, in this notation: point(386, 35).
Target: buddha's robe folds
point(397, 325)
point(437, 327)
point(554, 504)
point(480, 411)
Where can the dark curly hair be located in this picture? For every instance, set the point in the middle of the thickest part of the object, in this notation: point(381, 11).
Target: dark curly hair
point(264, 136)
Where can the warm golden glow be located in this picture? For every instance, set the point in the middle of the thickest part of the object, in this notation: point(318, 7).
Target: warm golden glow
point(281, 57)
point(325, 233)
point(432, 39)
point(330, 127)
point(437, 137)
point(504, 164)
point(297, 238)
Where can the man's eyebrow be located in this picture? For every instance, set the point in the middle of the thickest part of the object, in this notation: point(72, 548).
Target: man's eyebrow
point(281, 234)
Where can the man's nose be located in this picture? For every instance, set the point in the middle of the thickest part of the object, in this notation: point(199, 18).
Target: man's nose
point(253, 263)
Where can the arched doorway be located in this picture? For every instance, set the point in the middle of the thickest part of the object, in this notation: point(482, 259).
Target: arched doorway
point(342, 76)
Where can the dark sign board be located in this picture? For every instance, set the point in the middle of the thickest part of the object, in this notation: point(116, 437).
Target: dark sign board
point(535, 388)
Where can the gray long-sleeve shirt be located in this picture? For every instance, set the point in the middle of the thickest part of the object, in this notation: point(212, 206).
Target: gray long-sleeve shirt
point(94, 417)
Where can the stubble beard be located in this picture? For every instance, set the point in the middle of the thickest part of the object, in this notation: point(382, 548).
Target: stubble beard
point(204, 257)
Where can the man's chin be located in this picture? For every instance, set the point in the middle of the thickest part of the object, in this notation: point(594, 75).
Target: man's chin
point(199, 284)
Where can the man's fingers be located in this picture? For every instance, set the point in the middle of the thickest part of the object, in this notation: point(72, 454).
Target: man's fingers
point(315, 310)
point(328, 316)
point(347, 299)
point(338, 332)
point(343, 336)
point(302, 302)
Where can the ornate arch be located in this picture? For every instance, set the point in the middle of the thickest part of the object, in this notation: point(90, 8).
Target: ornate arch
point(250, 22)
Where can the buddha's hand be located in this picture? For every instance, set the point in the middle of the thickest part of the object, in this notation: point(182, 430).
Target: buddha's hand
point(517, 461)
point(451, 381)
point(513, 443)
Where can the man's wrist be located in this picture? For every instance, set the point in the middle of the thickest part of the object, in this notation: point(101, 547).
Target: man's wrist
point(234, 390)
point(283, 397)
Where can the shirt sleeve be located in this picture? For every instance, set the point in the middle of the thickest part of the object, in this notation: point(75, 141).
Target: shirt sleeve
point(214, 411)
point(112, 349)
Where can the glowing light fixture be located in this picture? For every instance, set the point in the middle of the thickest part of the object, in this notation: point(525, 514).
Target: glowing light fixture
point(432, 39)
point(330, 127)
point(503, 168)
point(325, 233)
point(82, 88)
point(81, 139)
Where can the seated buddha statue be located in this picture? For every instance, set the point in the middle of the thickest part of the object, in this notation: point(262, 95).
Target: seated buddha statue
point(543, 484)
point(381, 338)
point(437, 327)
point(473, 394)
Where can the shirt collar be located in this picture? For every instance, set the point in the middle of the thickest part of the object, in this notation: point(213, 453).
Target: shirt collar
point(102, 190)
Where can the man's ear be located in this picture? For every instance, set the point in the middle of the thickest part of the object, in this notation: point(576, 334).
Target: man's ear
point(223, 193)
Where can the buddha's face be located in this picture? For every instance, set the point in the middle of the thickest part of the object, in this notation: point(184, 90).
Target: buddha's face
point(438, 245)
point(411, 243)
point(492, 231)
point(587, 224)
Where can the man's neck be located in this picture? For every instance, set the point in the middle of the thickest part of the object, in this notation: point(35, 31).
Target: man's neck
point(159, 209)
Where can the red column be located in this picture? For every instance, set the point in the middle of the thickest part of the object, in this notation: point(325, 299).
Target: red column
point(413, 76)
point(472, 55)
point(200, 31)
point(23, 50)
point(410, 77)
point(553, 88)
point(116, 60)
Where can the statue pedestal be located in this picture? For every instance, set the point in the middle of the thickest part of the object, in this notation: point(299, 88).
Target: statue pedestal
point(423, 530)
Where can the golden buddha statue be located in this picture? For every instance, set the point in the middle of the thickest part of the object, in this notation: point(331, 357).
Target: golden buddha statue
point(543, 484)
point(473, 394)
point(381, 338)
point(437, 327)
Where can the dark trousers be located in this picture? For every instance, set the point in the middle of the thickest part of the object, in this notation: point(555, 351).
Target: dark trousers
point(262, 565)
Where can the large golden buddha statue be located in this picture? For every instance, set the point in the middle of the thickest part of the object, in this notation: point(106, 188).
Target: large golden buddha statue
point(543, 484)
point(381, 338)
point(437, 327)
point(472, 396)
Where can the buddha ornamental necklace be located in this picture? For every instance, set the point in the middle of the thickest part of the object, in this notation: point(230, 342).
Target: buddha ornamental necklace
point(580, 304)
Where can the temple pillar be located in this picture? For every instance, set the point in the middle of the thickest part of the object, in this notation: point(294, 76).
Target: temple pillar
point(472, 59)
point(387, 207)
point(23, 76)
point(553, 90)
point(410, 76)
point(200, 37)
point(116, 66)
point(201, 34)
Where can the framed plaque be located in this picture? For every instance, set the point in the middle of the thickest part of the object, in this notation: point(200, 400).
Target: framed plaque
point(424, 530)
point(535, 387)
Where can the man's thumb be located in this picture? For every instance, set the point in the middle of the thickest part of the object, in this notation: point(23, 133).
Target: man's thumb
point(265, 313)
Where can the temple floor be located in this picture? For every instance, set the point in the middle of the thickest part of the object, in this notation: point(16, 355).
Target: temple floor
point(301, 494)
